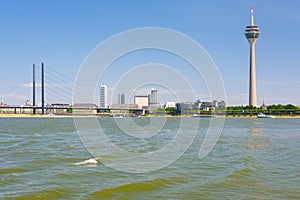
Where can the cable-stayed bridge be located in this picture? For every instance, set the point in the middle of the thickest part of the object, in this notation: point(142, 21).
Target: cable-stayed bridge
point(50, 92)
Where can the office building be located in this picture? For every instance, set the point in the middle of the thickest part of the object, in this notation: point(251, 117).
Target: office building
point(103, 96)
point(153, 103)
point(121, 98)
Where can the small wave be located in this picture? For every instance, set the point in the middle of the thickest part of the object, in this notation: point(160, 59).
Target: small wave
point(46, 160)
point(70, 147)
point(237, 177)
point(133, 189)
point(47, 194)
point(245, 172)
point(18, 144)
point(12, 170)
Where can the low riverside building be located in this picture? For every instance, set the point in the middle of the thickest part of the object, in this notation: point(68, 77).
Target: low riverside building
point(58, 108)
point(187, 107)
point(84, 109)
point(206, 106)
point(196, 107)
point(124, 106)
point(170, 105)
point(214, 105)
point(125, 109)
point(222, 104)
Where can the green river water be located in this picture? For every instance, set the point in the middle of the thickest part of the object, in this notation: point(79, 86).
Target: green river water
point(44, 158)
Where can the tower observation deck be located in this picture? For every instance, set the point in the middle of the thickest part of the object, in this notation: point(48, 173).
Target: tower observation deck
point(252, 33)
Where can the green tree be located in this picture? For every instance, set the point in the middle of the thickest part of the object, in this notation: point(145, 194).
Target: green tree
point(170, 110)
point(291, 107)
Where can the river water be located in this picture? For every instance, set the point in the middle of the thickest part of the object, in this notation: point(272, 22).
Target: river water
point(44, 158)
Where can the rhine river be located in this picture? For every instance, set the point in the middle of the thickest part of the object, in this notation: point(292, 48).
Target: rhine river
point(44, 158)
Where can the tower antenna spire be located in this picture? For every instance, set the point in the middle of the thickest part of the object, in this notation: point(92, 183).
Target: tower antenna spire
point(251, 16)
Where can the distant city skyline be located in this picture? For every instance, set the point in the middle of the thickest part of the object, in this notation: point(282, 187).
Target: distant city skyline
point(62, 34)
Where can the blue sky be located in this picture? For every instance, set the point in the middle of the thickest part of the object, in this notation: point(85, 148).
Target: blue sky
point(62, 33)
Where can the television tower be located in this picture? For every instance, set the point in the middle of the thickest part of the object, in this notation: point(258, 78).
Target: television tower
point(252, 33)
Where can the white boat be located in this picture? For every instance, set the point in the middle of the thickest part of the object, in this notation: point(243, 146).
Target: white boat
point(261, 115)
point(203, 116)
point(117, 116)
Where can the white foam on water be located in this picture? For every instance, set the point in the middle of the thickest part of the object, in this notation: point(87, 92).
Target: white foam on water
point(90, 161)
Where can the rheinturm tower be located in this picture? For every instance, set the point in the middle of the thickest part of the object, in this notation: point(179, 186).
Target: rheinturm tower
point(252, 33)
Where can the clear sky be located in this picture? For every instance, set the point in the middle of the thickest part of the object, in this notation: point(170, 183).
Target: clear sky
point(61, 33)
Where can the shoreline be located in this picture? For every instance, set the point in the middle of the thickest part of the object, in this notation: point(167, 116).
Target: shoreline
point(176, 116)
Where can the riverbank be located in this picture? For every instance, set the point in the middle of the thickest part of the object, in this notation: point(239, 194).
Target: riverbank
point(72, 116)
point(33, 116)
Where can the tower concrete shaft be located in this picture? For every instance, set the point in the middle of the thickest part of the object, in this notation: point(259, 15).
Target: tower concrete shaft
point(252, 78)
point(252, 33)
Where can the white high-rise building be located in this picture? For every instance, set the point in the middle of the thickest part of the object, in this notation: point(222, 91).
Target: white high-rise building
point(103, 96)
